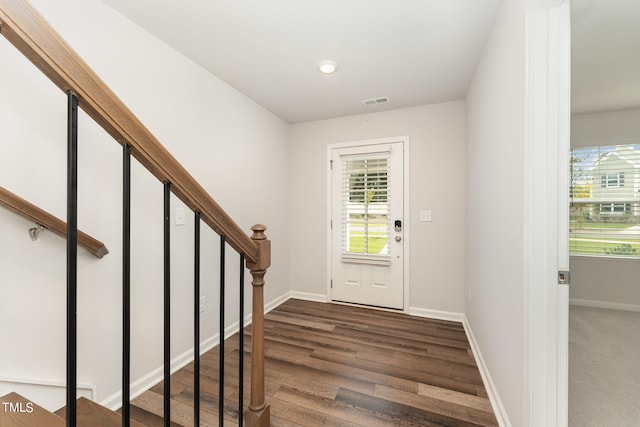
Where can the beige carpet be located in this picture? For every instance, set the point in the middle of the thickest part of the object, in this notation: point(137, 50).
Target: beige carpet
point(604, 367)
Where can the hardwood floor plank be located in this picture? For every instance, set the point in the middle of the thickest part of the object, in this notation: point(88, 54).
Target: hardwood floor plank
point(442, 407)
point(320, 375)
point(400, 339)
point(447, 369)
point(349, 371)
point(298, 322)
point(339, 365)
point(292, 414)
point(332, 408)
point(418, 330)
point(364, 316)
point(397, 412)
point(393, 373)
point(469, 400)
point(339, 338)
point(181, 413)
point(146, 418)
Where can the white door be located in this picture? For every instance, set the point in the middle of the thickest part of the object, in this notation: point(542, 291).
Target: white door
point(367, 225)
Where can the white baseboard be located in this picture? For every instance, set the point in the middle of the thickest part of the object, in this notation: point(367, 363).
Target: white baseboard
point(48, 393)
point(436, 314)
point(309, 296)
point(114, 402)
point(604, 304)
point(492, 392)
point(276, 302)
point(143, 384)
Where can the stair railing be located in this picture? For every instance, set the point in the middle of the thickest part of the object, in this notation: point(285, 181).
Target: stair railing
point(47, 221)
point(28, 31)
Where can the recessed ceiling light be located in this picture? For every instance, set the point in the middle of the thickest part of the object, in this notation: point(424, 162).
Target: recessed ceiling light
point(327, 67)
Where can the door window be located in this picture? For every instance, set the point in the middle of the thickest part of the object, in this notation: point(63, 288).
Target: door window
point(365, 205)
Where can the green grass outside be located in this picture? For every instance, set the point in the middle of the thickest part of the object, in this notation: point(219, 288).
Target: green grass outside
point(599, 246)
point(356, 243)
point(587, 225)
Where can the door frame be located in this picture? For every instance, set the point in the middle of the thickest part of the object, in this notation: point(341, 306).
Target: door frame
point(405, 206)
point(546, 222)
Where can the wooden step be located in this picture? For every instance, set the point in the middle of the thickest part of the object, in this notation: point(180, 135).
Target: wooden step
point(18, 411)
point(92, 414)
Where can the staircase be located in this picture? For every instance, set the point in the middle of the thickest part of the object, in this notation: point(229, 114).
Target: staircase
point(17, 411)
point(91, 414)
point(23, 26)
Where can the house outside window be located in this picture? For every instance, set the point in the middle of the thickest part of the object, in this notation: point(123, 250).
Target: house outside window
point(605, 201)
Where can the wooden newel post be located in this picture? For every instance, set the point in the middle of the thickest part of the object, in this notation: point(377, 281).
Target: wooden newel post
point(258, 414)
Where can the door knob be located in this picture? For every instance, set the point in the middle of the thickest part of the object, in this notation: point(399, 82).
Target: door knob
point(398, 238)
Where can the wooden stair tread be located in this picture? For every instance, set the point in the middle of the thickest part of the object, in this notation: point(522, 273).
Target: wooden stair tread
point(92, 414)
point(31, 415)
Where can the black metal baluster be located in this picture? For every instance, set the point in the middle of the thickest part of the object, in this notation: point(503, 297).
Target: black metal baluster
point(221, 366)
point(126, 284)
point(241, 344)
point(196, 323)
point(72, 255)
point(167, 306)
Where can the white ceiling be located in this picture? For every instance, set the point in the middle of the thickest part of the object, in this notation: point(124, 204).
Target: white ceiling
point(413, 51)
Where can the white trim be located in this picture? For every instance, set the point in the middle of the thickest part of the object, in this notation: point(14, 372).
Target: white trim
point(273, 304)
point(436, 314)
point(545, 305)
point(561, 54)
point(309, 296)
point(42, 390)
point(114, 401)
point(490, 387)
point(604, 304)
point(357, 149)
point(406, 208)
point(144, 383)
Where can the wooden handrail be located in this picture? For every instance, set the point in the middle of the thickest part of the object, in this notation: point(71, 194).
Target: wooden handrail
point(32, 35)
point(48, 221)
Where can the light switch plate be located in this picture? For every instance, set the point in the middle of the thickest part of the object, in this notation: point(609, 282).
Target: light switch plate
point(180, 218)
point(425, 216)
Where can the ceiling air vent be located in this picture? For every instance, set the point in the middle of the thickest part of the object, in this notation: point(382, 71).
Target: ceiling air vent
point(375, 101)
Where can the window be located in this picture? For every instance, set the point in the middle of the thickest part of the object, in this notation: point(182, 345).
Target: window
point(613, 180)
point(605, 201)
point(366, 205)
point(606, 208)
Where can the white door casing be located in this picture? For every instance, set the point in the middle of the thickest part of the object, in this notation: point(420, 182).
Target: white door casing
point(367, 224)
point(547, 120)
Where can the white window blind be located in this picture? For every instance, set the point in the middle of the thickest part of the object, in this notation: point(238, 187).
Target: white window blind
point(605, 201)
point(365, 205)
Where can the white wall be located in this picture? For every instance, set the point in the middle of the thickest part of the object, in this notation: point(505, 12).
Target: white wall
point(605, 128)
point(437, 172)
point(237, 150)
point(494, 207)
point(605, 281)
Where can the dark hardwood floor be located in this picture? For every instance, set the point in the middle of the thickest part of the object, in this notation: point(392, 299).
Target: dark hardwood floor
point(337, 365)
